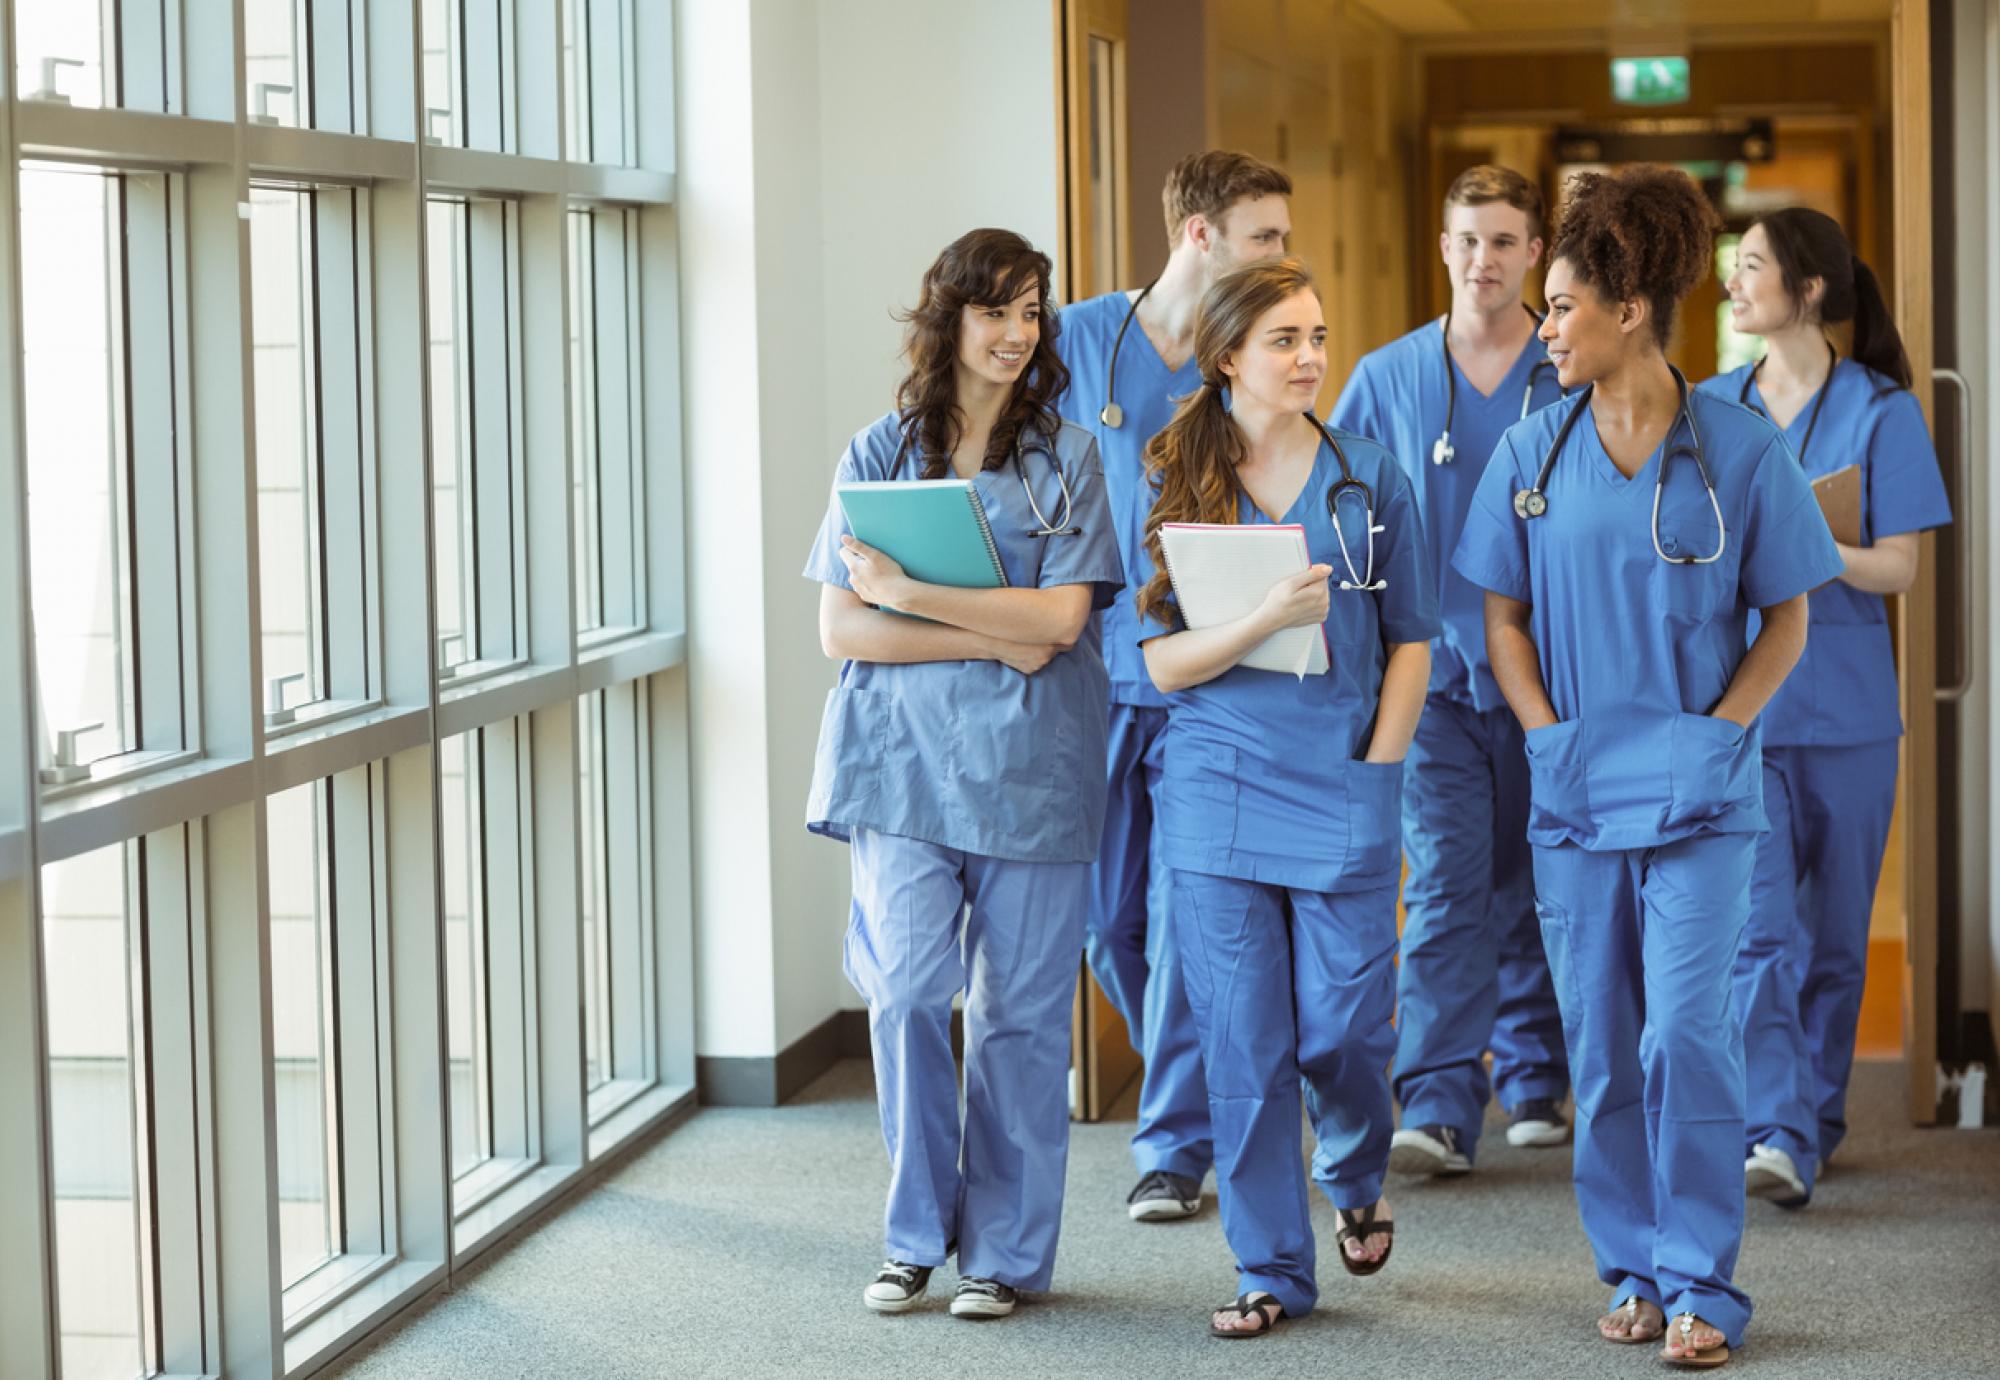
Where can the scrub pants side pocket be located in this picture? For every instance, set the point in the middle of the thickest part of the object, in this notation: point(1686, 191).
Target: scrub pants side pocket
point(1559, 799)
point(1374, 824)
point(1714, 770)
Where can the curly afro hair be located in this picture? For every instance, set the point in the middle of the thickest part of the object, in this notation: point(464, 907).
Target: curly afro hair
point(1643, 231)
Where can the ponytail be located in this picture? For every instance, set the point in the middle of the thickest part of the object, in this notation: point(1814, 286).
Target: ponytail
point(1877, 343)
point(1191, 466)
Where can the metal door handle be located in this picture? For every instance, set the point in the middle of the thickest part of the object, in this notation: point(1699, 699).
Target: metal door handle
point(1965, 653)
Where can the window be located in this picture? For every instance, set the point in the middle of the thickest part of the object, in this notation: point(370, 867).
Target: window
point(106, 52)
point(597, 117)
point(474, 375)
point(102, 403)
point(604, 420)
point(468, 63)
point(619, 989)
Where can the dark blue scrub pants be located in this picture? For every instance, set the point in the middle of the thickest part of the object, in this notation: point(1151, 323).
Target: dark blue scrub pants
point(1804, 956)
point(1473, 974)
point(1132, 951)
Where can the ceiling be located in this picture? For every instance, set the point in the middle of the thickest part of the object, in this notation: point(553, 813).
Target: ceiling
point(1615, 19)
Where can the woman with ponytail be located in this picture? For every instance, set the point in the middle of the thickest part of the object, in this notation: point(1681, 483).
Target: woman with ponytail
point(1279, 809)
point(1831, 731)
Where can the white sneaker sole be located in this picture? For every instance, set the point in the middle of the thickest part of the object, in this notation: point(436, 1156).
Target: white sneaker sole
point(1538, 1133)
point(1416, 1154)
point(1767, 1181)
point(1162, 1210)
point(886, 1305)
point(980, 1308)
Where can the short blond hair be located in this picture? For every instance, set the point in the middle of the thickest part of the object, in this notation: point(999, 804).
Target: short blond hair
point(1478, 186)
point(1208, 184)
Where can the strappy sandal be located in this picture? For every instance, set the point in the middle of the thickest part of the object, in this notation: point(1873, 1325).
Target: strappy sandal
point(1359, 1226)
point(1265, 1306)
point(1630, 1308)
point(1706, 1359)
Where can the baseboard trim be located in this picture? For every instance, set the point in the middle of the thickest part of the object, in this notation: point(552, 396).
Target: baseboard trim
point(773, 1080)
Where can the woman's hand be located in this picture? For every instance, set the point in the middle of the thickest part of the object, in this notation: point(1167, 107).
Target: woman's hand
point(875, 575)
point(1297, 601)
point(1025, 657)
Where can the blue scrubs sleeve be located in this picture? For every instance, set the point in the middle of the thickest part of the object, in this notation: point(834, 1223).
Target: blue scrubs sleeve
point(1787, 549)
point(1091, 556)
point(1905, 488)
point(1360, 409)
point(1493, 549)
point(824, 564)
point(1408, 603)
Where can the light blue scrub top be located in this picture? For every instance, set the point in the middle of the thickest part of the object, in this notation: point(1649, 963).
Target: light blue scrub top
point(1636, 651)
point(1148, 392)
point(1843, 691)
point(1262, 777)
point(1396, 395)
point(973, 755)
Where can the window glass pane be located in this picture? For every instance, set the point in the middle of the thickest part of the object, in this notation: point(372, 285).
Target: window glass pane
point(70, 32)
point(453, 498)
point(587, 500)
point(275, 66)
point(302, 1031)
point(597, 945)
point(469, 1031)
point(79, 478)
point(97, 1110)
point(290, 483)
point(576, 82)
point(443, 109)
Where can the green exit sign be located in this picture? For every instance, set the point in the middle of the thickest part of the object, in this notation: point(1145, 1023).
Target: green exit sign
point(1649, 80)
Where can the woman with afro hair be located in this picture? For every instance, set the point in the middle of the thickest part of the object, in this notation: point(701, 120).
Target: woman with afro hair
point(1624, 537)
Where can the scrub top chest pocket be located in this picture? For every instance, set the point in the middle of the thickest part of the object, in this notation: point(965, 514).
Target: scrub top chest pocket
point(1687, 585)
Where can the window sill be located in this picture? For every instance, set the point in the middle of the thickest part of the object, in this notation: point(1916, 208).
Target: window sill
point(359, 1315)
point(329, 1285)
point(110, 772)
point(315, 719)
point(638, 1118)
point(130, 807)
point(487, 1225)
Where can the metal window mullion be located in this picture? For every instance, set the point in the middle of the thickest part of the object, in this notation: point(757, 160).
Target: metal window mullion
point(670, 865)
point(659, 455)
point(618, 499)
point(494, 500)
point(648, 949)
point(146, 51)
point(138, 1007)
point(343, 468)
point(604, 48)
point(635, 417)
point(507, 1032)
point(624, 776)
point(357, 1012)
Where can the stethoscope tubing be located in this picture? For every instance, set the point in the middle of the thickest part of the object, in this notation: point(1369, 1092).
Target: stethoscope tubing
point(1443, 452)
point(1819, 399)
point(1111, 414)
point(1063, 526)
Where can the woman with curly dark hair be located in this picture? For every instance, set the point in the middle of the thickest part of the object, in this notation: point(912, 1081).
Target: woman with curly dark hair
point(1623, 537)
point(957, 756)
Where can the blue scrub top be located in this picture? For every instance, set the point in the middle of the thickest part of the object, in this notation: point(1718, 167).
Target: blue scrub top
point(1148, 392)
point(973, 755)
point(1843, 691)
point(1397, 396)
point(1262, 777)
point(1635, 651)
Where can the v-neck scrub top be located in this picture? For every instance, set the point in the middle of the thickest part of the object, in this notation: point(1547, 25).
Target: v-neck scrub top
point(973, 755)
point(1843, 692)
point(1397, 395)
point(1636, 651)
point(1263, 777)
point(1148, 392)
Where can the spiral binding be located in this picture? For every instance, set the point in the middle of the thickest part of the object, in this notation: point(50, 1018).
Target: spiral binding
point(986, 534)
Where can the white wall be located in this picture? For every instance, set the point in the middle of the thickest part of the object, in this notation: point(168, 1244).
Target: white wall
point(819, 177)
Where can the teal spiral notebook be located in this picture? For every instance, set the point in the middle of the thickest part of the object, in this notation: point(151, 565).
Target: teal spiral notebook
point(936, 529)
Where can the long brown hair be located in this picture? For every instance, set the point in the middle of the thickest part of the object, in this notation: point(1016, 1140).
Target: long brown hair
point(1192, 461)
point(981, 268)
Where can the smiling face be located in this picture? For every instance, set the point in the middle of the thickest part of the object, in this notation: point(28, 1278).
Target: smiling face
point(1487, 250)
point(1758, 302)
point(1590, 335)
point(1256, 227)
point(995, 343)
point(1282, 359)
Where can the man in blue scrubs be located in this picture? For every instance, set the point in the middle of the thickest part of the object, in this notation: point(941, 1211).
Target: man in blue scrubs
point(1473, 975)
point(1131, 359)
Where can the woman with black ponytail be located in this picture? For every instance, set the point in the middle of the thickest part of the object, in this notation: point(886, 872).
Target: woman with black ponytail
point(1831, 731)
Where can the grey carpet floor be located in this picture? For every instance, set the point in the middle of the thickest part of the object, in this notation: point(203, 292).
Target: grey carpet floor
point(739, 1243)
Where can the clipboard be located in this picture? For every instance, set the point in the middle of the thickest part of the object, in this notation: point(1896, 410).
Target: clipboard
point(1839, 496)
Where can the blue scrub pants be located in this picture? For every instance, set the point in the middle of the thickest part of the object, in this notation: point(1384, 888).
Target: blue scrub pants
point(1641, 943)
point(1804, 956)
point(927, 921)
point(1473, 974)
point(1132, 954)
point(1289, 986)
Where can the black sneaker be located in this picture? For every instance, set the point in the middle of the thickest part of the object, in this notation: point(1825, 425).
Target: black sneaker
point(1426, 1151)
point(1163, 1197)
point(897, 1288)
point(1539, 1122)
point(983, 1298)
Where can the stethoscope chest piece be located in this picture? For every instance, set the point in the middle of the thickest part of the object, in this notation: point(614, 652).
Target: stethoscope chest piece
point(1530, 503)
point(1112, 416)
point(1443, 452)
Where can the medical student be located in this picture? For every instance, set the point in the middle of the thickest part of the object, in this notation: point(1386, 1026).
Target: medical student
point(957, 757)
point(1131, 358)
point(1624, 536)
point(1279, 807)
point(1831, 731)
point(1472, 975)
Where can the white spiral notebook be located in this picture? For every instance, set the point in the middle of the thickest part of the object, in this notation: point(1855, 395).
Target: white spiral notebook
point(1222, 571)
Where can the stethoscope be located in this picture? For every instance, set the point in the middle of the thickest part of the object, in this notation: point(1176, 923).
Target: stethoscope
point(1534, 502)
point(1443, 452)
point(1111, 414)
point(1819, 398)
point(1063, 526)
point(1347, 486)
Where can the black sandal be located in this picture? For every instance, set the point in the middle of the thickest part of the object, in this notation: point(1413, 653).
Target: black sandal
point(1264, 1305)
point(1359, 1226)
